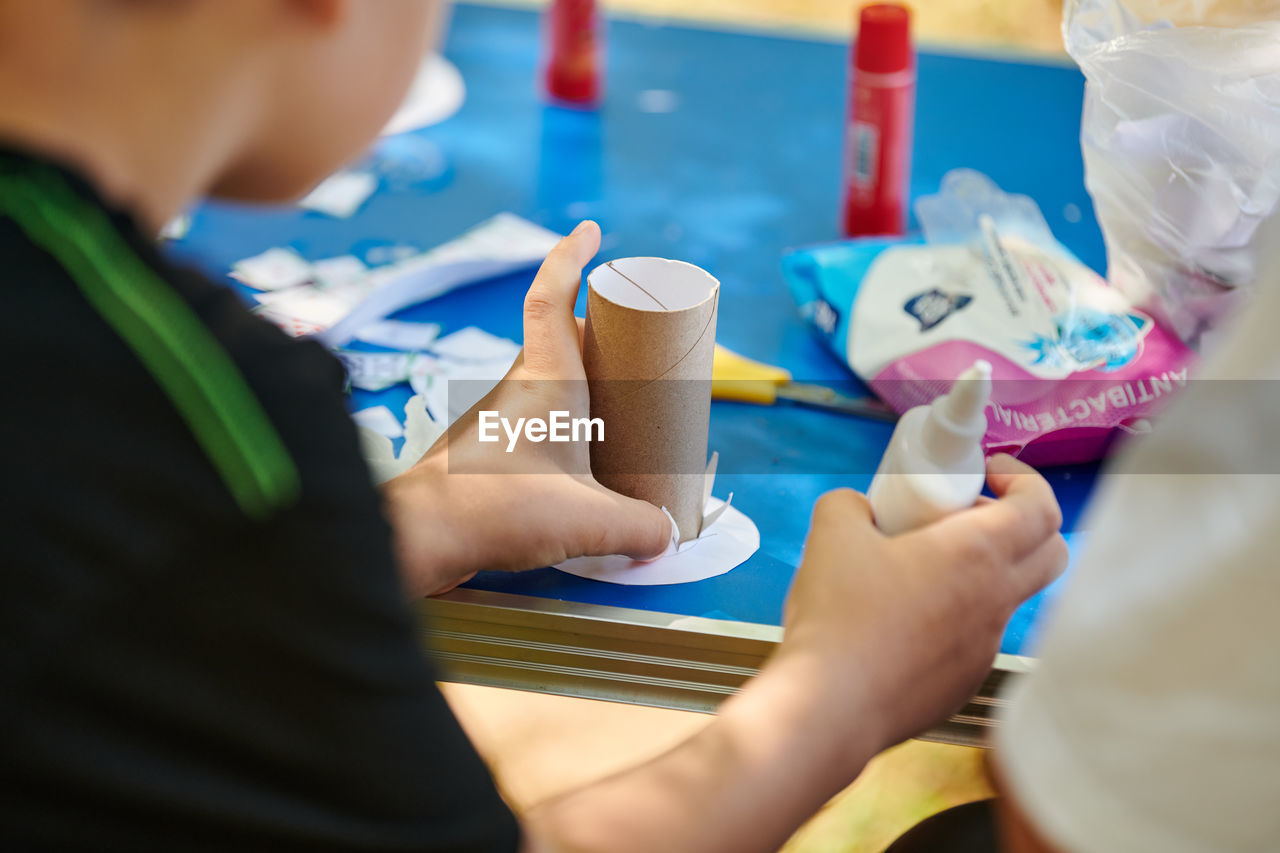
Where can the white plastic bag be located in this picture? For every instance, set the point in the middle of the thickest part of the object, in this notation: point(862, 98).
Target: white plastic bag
point(1181, 140)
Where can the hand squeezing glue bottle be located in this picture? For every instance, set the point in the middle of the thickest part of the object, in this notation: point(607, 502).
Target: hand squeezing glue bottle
point(934, 464)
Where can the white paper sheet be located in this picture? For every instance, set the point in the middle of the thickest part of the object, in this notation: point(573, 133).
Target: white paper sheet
point(400, 334)
point(469, 363)
point(309, 305)
point(499, 246)
point(291, 326)
point(334, 272)
point(380, 420)
point(724, 544)
point(274, 269)
point(437, 92)
point(374, 371)
point(344, 304)
point(427, 382)
point(476, 345)
point(420, 432)
point(342, 194)
point(431, 378)
point(394, 254)
point(176, 228)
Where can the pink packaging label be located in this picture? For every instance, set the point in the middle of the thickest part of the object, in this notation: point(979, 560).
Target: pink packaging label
point(1074, 364)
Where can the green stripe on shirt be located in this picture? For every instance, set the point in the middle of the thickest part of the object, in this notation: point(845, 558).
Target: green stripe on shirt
point(193, 369)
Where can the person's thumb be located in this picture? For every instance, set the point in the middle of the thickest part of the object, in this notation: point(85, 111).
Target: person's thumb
point(551, 344)
point(632, 527)
point(843, 509)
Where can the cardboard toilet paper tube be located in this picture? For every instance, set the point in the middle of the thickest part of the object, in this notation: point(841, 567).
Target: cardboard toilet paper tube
point(650, 340)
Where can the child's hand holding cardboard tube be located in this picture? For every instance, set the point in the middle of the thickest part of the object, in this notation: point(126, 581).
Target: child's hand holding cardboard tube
point(520, 504)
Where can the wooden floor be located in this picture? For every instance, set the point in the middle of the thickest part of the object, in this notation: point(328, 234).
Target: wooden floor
point(542, 745)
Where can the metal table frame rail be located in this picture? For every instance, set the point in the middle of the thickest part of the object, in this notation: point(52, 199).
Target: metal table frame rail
point(634, 656)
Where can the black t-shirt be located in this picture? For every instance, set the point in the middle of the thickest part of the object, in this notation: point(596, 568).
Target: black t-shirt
point(204, 643)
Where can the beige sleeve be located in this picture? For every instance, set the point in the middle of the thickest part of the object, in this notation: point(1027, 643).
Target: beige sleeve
point(1153, 719)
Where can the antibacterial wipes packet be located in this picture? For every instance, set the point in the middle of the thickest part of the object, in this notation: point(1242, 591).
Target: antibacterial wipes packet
point(1074, 364)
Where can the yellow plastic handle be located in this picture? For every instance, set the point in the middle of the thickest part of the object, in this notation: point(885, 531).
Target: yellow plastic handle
point(736, 377)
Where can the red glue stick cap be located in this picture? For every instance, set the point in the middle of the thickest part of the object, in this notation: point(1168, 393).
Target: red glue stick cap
point(884, 39)
point(572, 72)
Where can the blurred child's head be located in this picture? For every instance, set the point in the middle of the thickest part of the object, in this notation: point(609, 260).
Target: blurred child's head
point(341, 70)
point(263, 98)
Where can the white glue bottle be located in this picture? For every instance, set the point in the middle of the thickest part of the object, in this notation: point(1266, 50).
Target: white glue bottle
point(934, 464)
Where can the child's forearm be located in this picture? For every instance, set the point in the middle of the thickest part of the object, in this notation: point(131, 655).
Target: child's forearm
point(744, 783)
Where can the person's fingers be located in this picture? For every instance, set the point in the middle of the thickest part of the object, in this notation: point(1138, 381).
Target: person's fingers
point(451, 587)
point(1025, 514)
point(551, 339)
point(1018, 486)
point(1039, 569)
point(843, 506)
point(628, 526)
point(1005, 474)
point(582, 332)
point(842, 510)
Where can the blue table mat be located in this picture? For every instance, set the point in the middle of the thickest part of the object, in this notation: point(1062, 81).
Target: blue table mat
point(745, 164)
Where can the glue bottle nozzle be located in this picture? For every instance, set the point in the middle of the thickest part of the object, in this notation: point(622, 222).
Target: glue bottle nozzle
point(934, 463)
point(958, 420)
point(969, 395)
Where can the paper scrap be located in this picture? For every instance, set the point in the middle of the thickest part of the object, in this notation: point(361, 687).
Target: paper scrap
point(427, 381)
point(709, 478)
point(380, 420)
point(409, 160)
point(344, 303)
point(375, 371)
point(420, 432)
point(176, 228)
point(499, 246)
point(713, 515)
point(436, 93)
point(309, 305)
point(476, 345)
point(450, 388)
point(291, 326)
point(468, 364)
point(342, 194)
point(464, 385)
point(332, 272)
point(728, 542)
point(393, 254)
point(274, 269)
point(400, 334)
point(349, 303)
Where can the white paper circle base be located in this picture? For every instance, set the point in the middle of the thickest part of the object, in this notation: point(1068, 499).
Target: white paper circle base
point(723, 546)
point(437, 93)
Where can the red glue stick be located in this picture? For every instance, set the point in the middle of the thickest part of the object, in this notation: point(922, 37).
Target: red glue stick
point(881, 104)
point(572, 71)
